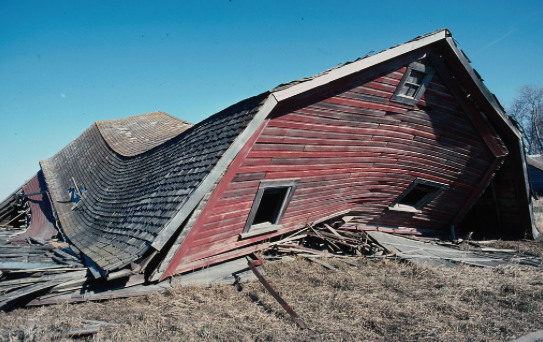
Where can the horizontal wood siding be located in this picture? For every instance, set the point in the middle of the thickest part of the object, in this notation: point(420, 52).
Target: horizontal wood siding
point(352, 150)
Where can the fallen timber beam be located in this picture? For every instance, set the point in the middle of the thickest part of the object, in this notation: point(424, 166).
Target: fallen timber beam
point(252, 265)
point(85, 331)
point(322, 263)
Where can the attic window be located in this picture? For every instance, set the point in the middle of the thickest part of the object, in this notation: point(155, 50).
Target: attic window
point(271, 202)
point(413, 84)
point(417, 195)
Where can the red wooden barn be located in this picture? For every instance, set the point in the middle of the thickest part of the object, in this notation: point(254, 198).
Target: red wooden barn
point(408, 137)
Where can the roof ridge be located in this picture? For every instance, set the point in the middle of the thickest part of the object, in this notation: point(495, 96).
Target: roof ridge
point(138, 134)
point(98, 122)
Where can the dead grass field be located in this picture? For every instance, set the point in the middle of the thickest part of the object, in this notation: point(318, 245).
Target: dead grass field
point(380, 301)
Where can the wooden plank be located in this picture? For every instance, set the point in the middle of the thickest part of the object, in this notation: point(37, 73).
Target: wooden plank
point(225, 273)
point(14, 265)
point(85, 331)
point(271, 290)
point(216, 258)
point(322, 263)
point(90, 321)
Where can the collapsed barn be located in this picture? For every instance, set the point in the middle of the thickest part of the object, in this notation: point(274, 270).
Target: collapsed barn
point(408, 138)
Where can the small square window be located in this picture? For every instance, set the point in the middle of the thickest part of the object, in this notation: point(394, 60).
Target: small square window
point(413, 84)
point(271, 202)
point(417, 195)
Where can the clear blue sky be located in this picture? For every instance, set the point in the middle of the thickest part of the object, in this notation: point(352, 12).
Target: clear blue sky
point(67, 64)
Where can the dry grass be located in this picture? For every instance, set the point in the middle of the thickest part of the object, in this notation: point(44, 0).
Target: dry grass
point(381, 301)
point(534, 248)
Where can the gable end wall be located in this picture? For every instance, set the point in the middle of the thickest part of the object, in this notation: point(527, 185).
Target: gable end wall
point(352, 150)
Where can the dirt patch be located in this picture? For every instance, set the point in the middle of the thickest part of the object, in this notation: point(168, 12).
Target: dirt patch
point(381, 301)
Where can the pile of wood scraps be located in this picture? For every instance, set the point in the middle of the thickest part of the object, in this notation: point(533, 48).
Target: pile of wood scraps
point(324, 241)
point(318, 242)
point(38, 273)
point(28, 269)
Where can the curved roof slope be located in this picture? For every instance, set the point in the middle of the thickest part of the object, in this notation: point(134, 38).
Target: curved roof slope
point(129, 200)
point(138, 134)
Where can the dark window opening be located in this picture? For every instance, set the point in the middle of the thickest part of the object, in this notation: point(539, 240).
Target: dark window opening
point(417, 195)
point(270, 204)
point(413, 84)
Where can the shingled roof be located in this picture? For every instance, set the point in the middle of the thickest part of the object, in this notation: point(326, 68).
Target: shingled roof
point(132, 188)
point(138, 134)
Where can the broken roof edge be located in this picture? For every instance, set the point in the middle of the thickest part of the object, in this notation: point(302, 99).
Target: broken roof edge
point(488, 95)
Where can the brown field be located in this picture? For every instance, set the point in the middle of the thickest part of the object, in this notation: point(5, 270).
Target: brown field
point(381, 301)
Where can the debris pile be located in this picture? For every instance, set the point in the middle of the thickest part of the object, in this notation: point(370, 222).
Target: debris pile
point(316, 242)
point(342, 241)
point(34, 267)
point(36, 272)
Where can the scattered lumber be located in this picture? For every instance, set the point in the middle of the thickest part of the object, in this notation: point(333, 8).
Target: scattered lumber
point(326, 240)
point(344, 241)
point(327, 265)
point(449, 255)
point(87, 330)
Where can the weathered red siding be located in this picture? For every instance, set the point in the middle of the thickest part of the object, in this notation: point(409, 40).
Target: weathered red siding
point(355, 150)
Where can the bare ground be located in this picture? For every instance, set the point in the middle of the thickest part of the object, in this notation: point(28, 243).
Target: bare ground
point(380, 301)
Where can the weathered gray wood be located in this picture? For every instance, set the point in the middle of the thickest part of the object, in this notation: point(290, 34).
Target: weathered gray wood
point(14, 265)
point(289, 239)
point(421, 253)
point(331, 216)
point(91, 295)
point(7, 298)
point(320, 262)
point(93, 268)
point(535, 336)
point(29, 280)
point(88, 330)
point(225, 273)
point(90, 321)
point(348, 262)
point(64, 255)
point(120, 274)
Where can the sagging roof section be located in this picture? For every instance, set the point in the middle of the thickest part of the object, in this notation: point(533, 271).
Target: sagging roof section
point(138, 134)
point(127, 201)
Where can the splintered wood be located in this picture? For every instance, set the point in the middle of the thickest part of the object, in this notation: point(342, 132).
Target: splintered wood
point(343, 241)
point(323, 241)
point(32, 269)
